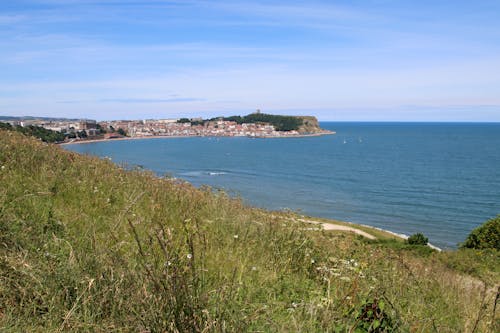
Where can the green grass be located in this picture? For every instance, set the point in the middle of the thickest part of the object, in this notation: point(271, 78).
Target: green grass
point(86, 246)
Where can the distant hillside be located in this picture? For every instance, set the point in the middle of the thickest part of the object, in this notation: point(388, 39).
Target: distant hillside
point(41, 133)
point(86, 246)
point(309, 125)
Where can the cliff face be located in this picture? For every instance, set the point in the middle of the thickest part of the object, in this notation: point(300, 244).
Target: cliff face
point(310, 125)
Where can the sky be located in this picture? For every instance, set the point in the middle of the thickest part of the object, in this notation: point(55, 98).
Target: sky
point(371, 60)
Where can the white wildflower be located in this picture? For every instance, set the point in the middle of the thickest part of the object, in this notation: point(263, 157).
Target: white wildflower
point(189, 256)
point(3, 167)
point(235, 236)
point(313, 261)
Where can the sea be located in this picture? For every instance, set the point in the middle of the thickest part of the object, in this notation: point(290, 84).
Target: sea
point(440, 179)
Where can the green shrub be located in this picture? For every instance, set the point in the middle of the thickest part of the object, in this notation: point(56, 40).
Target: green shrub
point(486, 236)
point(417, 239)
point(373, 317)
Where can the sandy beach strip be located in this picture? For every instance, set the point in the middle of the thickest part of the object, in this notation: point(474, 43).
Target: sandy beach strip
point(195, 136)
point(78, 142)
point(337, 227)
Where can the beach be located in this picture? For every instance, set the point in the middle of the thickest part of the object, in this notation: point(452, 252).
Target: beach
point(195, 136)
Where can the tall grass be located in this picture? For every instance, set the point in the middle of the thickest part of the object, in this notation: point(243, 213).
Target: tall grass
point(88, 246)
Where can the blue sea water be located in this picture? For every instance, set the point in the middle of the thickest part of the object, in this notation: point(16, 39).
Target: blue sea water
point(442, 179)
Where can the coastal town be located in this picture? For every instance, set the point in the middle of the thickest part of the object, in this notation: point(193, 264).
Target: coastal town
point(86, 130)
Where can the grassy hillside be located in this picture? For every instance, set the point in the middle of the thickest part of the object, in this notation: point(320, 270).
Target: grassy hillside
point(87, 246)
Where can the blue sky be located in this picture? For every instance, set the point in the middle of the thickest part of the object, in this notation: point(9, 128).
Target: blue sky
point(376, 60)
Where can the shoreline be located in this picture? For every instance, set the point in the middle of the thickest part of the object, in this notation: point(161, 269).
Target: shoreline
point(196, 136)
point(357, 228)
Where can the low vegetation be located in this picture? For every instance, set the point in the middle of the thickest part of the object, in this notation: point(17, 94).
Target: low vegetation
point(41, 133)
point(86, 246)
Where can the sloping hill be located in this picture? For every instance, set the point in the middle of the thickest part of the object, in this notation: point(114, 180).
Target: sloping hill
point(310, 125)
point(88, 246)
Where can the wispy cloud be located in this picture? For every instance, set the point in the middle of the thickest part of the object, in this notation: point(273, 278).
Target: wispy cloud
point(11, 19)
point(151, 100)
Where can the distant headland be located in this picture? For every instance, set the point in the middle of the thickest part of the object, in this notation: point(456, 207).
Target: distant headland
point(256, 125)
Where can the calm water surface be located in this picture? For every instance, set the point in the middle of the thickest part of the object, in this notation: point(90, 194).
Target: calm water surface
point(439, 179)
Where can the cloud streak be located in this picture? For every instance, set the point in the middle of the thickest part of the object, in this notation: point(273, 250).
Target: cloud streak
point(151, 100)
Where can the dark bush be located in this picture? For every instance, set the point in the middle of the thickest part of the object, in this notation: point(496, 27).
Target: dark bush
point(373, 317)
point(486, 236)
point(417, 239)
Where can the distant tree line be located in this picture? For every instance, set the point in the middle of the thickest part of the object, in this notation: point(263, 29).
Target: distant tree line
point(44, 134)
point(280, 123)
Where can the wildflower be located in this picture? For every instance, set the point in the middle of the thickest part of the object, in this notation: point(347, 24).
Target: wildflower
point(235, 236)
point(254, 268)
point(3, 167)
point(168, 263)
point(189, 256)
point(313, 261)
